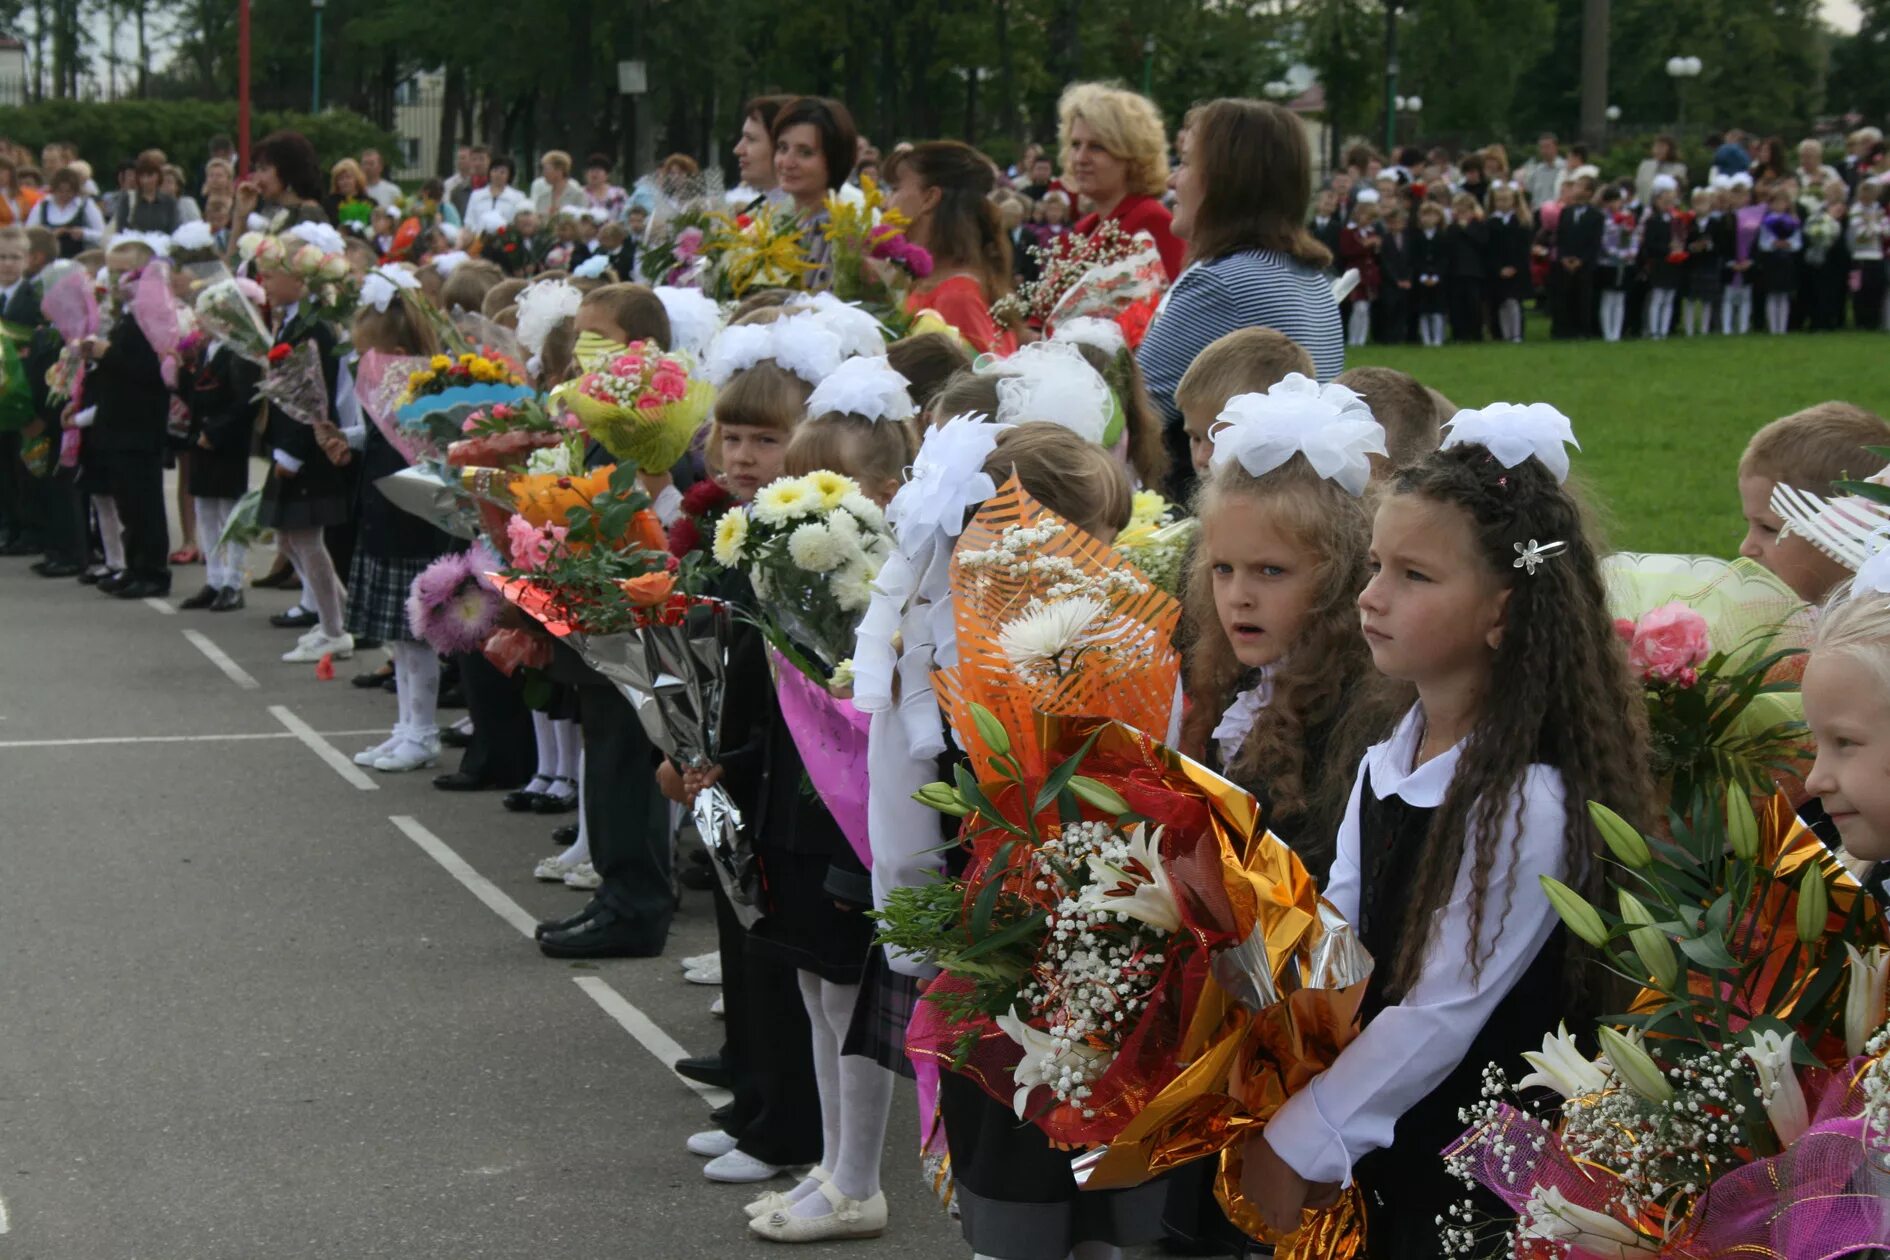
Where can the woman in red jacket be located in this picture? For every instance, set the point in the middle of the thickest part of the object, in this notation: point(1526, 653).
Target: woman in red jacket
point(1115, 157)
point(944, 188)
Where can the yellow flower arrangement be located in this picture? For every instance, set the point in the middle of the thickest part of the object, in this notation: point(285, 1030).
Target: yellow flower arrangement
point(764, 254)
point(848, 221)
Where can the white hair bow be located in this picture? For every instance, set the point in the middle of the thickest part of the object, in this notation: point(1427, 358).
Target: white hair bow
point(1086, 330)
point(1051, 380)
point(194, 235)
point(1330, 425)
point(865, 385)
point(694, 318)
point(541, 308)
point(446, 264)
point(947, 477)
point(1873, 578)
point(381, 284)
point(1512, 432)
point(801, 344)
point(320, 235)
point(858, 330)
point(591, 268)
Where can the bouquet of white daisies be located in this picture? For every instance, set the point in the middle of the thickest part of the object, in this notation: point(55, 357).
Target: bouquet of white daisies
point(811, 546)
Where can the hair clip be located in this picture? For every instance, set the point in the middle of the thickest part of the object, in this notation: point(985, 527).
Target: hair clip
point(1527, 558)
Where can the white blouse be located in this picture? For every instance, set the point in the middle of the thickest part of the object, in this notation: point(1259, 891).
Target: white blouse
point(1350, 1109)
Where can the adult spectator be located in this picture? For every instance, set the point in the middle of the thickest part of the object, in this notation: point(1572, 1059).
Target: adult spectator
point(347, 202)
point(172, 185)
point(1541, 176)
point(1772, 162)
point(1115, 157)
point(1858, 147)
point(286, 178)
point(146, 208)
point(1241, 195)
point(1730, 157)
point(478, 170)
point(380, 189)
point(498, 197)
point(599, 191)
point(70, 215)
point(556, 191)
point(1663, 160)
point(462, 170)
point(1812, 172)
point(944, 188)
point(220, 150)
point(219, 180)
point(754, 153)
point(815, 145)
point(15, 203)
point(1043, 177)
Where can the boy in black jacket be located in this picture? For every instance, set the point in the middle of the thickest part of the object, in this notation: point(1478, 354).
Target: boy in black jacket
point(124, 383)
point(1577, 249)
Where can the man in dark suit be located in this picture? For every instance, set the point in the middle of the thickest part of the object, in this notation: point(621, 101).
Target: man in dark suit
point(1577, 250)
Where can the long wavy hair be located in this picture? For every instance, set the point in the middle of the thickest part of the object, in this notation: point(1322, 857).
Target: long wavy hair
point(1326, 678)
point(1560, 695)
point(963, 232)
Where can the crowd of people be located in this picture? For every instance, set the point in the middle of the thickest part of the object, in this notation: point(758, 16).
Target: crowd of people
point(1395, 628)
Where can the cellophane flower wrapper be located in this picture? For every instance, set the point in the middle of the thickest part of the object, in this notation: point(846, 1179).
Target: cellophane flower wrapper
point(1125, 292)
point(425, 493)
point(830, 734)
point(438, 418)
point(652, 437)
point(295, 386)
point(243, 528)
point(380, 382)
point(228, 315)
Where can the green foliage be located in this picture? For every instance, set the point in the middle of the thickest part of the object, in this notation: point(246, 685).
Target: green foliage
point(106, 131)
point(1469, 60)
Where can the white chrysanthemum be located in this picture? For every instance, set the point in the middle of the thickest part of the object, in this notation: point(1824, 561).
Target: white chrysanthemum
point(853, 586)
point(731, 532)
point(814, 548)
point(1049, 635)
point(832, 487)
point(551, 461)
point(781, 501)
point(868, 511)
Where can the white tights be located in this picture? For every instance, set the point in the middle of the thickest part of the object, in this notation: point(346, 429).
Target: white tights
point(1778, 312)
point(223, 563)
point(1613, 313)
point(1431, 329)
point(111, 534)
point(1659, 314)
point(1509, 319)
point(580, 850)
point(560, 744)
point(855, 1100)
point(321, 589)
point(1360, 329)
point(1735, 310)
point(417, 685)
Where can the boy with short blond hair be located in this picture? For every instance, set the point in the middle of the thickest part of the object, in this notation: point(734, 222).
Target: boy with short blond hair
point(1245, 361)
point(1808, 450)
point(1407, 409)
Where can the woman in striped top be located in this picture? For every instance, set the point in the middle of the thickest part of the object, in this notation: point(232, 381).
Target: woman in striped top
point(1241, 192)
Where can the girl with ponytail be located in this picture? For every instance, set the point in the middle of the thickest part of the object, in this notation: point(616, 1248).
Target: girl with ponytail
point(944, 187)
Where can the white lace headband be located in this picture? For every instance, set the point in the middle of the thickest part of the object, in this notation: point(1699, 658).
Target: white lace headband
point(1330, 425)
point(866, 385)
point(1514, 432)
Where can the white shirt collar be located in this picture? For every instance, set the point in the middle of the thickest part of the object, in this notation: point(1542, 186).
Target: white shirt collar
point(1390, 765)
point(1237, 723)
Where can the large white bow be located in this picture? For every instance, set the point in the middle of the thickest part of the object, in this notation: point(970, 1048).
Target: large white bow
point(1873, 576)
point(382, 283)
point(866, 386)
point(858, 330)
point(1330, 425)
point(1051, 380)
point(1513, 432)
point(694, 318)
point(947, 478)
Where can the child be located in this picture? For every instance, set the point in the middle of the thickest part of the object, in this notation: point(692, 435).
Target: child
point(859, 424)
point(927, 361)
point(1576, 246)
point(219, 387)
point(1864, 234)
point(1827, 261)
point(465, 289)
point(1358, 247)
point(1510, 232)
point(381, 228)
point(1781, 239)
point(1430, 263)
point(1807, 450)
point(1466, 242)
point(1708, 247)
point(1846, 691)
point(1663, 258)
point(1525, 712)
point(614, 241)
point(218, 212)
point(1735, 308)
point(1395, 276)
point(1404, 408)
point(1141, 442)
point(1245, 361)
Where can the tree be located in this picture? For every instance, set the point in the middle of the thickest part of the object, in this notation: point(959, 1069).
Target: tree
point(1467, 58)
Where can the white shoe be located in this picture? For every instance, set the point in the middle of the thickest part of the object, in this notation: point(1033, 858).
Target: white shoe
point(710, 1143)
point(408, 755)
point(845, 1218)
point(368, 756)
point(717, 1009)
point(710, 974)
point(777, 1200)
point(318, 645)
point(736, 1168)
point(700, 961)
point(553, 871)
point(583, 878)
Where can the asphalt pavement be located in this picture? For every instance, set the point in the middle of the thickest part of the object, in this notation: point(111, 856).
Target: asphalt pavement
point(258, 1005)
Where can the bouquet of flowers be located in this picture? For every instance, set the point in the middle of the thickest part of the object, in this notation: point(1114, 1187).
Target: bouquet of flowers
point(433, 407)
point(507, 246)
point(1780, 225)
point(1107, 274)
point(506, 433)
point(811, 546)
point(70, 306)
point(1157, 539)
point(315, 253)
point(588, 546)
point(230, 310)
point(453, 605)
point(293, 382)
point(760, 251)
point(643, 405)
point(703, 506)
point(869, 232)
point(674, 253)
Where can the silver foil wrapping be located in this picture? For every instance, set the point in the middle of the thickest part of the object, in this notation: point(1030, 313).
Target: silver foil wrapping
point(427, 495)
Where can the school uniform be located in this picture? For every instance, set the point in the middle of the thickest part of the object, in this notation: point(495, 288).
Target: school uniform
point(1430, 263)
point(1827, 275)
point(1509, 245)
point(1708, 251)
point(1326, 229)
point(1396, 303)
point(221, 396)
point(1465, 245)
point(1385, 1108)
point(1864, 233)
point(318, 494)
point(1572, 292)
point(128, 437)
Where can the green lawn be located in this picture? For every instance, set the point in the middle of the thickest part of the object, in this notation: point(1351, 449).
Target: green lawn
point(1661, 423)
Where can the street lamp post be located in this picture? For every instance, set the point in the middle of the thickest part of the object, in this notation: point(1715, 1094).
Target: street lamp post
point(1680, 69)
point(1148, 66)
point(315, 93)
point(1613, 115)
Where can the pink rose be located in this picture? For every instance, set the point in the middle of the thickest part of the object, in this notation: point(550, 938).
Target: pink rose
point(501, 412)
point(626, 365)
point(689, 242)
point(669, 383)
point(1669, 645)
point(470, 423)
point(649, 402)
point(569, 420)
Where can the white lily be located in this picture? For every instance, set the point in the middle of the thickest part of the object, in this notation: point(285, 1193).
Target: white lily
point(1131, 880)
point(1549, 1215)
point(1046, 1059)
point(1863, 996)
point(1563, 1068)
point(1771, 1055)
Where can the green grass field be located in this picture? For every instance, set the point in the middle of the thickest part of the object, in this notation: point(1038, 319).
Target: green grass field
point(1661, 423)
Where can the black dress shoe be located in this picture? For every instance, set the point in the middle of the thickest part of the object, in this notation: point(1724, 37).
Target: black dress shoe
point(57, 569)
point(705, 1069)
point(294, 619)
point(591, 908)
point(605, 934)
point(564, 837)
point(460, 781)
point(142, 588)
point(372, 679)
point(229, 599)
point(520, 800)
point(697, 878)
point(92, 577)
point(453, 737)
point(557, 802)
point(202, 599)
point(109, 584)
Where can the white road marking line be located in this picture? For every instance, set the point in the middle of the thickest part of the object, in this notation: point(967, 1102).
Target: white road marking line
point(349, 772)
point(476, 884)
point(161, 605)
point(176, 739)
point(648, 1035)
point(221, 659)
point(6, 1223)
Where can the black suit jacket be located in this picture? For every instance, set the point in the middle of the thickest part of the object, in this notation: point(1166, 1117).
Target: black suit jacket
point(22, 307)
point(126, 386)
point(1578, 234)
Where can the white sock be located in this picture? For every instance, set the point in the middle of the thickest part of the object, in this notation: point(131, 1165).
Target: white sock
point(547, 753)
point(111, 534)
point(417, 684)
point(570, 743)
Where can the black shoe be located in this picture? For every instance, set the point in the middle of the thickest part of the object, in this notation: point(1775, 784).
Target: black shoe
point(564, 837)
point(57, 569)
point(460, 781)
point(453, 737)
point(93, 576)
point(229, 599)
point(722, 1115)
point(390, 686)
point(294, 619)
point(591, 907)
point(372, 679)
point(142, 588)
point(699, 878)
point(109, 584)
point(705, 1069)
point(557, 802)
point(605, 934)
point(202, 599)
point(521, 800)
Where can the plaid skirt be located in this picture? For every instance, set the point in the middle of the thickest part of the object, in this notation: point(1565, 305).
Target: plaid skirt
point(881, 1013)
point(377, 595)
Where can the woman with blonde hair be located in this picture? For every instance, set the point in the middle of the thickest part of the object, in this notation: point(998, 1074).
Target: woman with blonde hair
point(554, 189)
point(1115, 157)
point(347, 200)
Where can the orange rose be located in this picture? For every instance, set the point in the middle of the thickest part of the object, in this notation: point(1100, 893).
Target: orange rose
point(647, 532)
point(649, 590)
